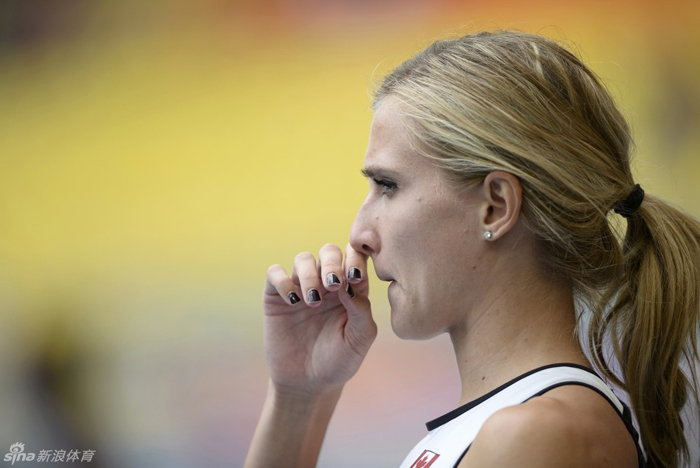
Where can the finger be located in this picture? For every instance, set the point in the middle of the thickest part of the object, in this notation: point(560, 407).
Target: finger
point(361, 329)
point(355, 265)
point(279, 283)
point(305, 274)
point(330, 259)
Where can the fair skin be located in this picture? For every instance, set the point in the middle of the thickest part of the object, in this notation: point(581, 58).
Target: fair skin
point(503, 315)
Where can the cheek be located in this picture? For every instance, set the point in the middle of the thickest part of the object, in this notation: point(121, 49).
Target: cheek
point(419, 230)
point(440, 276)
point(433, 250)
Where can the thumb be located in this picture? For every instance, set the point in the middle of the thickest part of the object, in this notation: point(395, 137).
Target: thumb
point(360, 329)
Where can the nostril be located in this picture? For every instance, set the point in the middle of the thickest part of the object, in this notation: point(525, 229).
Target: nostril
point(367, 249)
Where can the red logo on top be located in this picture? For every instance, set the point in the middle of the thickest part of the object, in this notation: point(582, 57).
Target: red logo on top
point(425, 459)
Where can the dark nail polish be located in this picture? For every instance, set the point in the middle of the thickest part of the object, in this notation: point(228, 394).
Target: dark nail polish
point(314, 296)
point(333, 279)
point(350, 291)
point(293, 298)
point(354, 273)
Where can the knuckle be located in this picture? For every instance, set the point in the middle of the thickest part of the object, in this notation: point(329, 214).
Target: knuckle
point(308, 275)
point(273, 268)
point(303, 256)
point(331, 256)
point(352, 254)
point(329, 247)
point(330, 264)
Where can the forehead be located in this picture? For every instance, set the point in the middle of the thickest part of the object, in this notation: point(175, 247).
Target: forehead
point(390, 154)
point(389, 147)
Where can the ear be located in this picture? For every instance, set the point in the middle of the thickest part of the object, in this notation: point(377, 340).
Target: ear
point(503, 198)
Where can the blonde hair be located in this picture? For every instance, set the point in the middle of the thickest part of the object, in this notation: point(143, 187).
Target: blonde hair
point(522, 103)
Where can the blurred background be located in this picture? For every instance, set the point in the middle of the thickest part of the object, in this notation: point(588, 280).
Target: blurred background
point(156, 157)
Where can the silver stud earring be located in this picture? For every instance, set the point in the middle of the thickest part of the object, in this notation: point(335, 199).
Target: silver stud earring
point(488, 235)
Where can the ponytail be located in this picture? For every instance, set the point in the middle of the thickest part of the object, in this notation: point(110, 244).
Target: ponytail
point(653, 321)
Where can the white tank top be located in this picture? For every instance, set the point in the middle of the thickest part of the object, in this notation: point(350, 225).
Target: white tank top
point(450, 436)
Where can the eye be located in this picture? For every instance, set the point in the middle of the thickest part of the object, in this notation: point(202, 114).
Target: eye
point(388, 186)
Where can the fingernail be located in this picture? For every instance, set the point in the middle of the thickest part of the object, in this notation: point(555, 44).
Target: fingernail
point(350, 291)
point(333, 279)
point(354, 273)
point(314, 296)
point(293, 298)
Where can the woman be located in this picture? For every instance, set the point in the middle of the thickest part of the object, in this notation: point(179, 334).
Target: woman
point(497, 163)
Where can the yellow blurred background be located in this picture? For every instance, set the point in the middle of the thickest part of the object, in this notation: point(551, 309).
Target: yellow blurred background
point(157, 157)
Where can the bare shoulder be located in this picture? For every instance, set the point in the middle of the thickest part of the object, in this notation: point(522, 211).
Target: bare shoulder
point(570, 426)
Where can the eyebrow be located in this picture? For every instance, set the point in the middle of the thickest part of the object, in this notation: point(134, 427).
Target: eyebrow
point(377, 171)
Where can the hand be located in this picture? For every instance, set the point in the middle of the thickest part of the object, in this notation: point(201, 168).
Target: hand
point(313, 348)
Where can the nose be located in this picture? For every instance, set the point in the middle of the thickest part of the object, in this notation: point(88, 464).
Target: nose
point(363, 234)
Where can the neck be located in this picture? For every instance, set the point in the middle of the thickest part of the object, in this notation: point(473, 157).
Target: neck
point(519, 330)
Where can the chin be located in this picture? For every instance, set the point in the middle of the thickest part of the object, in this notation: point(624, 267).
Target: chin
point(408, 330)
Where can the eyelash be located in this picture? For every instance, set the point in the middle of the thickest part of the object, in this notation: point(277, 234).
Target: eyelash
point(387, 184)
